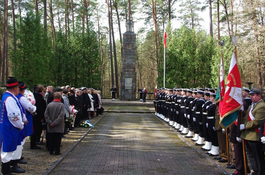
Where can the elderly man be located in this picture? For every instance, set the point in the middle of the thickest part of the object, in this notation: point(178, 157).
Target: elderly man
point(253, 120)
point(54, 115)
point(12, 122)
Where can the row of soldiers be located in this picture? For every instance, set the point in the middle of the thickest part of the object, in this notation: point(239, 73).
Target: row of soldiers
point(195, 114)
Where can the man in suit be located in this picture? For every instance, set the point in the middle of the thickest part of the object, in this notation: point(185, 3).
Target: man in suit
point(253, 120)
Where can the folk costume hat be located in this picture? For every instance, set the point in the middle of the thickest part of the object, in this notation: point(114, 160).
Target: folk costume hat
point(22, 86)
point(12, 82)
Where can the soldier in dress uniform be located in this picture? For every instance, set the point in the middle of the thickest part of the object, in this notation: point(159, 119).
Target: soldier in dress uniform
point(187, 114)
point(177, 108)
point(210, 125)
point(182, 110)
point(173, 105)
point(198, 118)
point(113, 91)
point(192, 115)
point(170, 109)
point(205, 134)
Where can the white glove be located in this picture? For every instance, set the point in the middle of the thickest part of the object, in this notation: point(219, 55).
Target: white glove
point(194, 119)
point(239, 139)
point(223, 130)
point(206, 125)
point(241, 127)
point(200, 123)
point(214, 129)
point(242, 108)
point(188, 116)
point(185, 115)
point(75, 111)
point(262, 140)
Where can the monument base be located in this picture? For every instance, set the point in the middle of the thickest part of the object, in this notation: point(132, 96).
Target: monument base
point(128, 86)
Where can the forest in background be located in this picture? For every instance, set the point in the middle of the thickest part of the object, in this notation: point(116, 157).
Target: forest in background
point(67, 42)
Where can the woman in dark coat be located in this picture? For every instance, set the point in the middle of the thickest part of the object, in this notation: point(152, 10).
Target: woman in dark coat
point(38, 119)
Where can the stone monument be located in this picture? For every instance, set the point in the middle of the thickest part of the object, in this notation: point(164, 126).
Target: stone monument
point(128, 74)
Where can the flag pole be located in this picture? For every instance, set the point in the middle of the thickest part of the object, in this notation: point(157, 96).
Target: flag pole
point(164, 80)
point(241, 115)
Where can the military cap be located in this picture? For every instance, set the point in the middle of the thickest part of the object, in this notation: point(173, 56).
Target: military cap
point(212, 94)
point(200, 91)
point(246, 89)
point(211, 90)
point(256, 90)
point(206, 93)
point(189, 90)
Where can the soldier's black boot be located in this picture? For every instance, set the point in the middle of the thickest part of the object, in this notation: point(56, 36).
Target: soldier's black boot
point(15, 168)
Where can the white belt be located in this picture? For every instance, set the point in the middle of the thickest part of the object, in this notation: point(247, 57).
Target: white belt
point(197, 112)
point(173, 102)
point(210, 117)
point(192, 110)
point(182, 106)
point(187, 108)
point(204, 113)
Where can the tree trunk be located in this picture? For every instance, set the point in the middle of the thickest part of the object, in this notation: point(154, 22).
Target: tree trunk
point(5, 45)
point(45, 16)
point(115, 57)
point(169, 10)
point(119, 25)
point(37, 7)
point(66, 18)
point(227, 19)
point(110, 42)
point(154, 14)
point(210, 17)
point(218, 21)
point(59, 20)
point(14, 25)
point(73, 15)
point(52, 23)
point(231, 18)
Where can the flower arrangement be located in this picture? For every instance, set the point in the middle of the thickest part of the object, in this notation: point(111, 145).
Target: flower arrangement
point(86, 124)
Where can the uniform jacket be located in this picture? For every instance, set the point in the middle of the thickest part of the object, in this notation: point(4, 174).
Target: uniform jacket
point(258, 112)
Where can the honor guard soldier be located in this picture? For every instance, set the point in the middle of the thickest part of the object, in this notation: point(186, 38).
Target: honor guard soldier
point(170, 109)
point(187, 115)
point(192, 114)
point(177, 107)
point(113, 91)
point(198, 118)
point(174, 100)
point(205, 134)
point(210, 125)
point(182, 110)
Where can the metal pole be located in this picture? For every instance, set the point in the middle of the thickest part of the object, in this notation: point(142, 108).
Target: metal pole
point(164, 83)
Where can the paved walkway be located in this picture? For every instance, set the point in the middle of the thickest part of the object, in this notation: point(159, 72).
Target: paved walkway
point(133, 143)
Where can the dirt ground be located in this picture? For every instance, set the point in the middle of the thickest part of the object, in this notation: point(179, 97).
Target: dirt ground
point(40, 160)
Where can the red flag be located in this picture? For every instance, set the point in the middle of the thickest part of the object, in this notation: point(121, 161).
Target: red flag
point(165, 40)
point(233, 95)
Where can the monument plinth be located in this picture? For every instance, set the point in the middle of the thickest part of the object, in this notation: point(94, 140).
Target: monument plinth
point(128, 74)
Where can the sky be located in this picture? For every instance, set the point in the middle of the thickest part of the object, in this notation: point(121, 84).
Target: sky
point(140, 23)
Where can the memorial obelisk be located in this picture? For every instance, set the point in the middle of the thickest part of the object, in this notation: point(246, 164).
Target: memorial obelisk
point(128, 74)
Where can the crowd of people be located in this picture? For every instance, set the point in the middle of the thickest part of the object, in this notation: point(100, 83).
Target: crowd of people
point(195, 114)
point(46, 112)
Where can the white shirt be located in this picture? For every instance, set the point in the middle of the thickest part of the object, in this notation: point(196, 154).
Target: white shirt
point(14, 112)
point(27, 105)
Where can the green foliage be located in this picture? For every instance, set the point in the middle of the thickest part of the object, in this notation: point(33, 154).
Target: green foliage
point(72, 60)
point(30, 61)
point(188, 59)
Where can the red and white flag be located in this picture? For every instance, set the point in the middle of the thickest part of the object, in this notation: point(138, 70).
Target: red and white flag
point(165, 40)
point(232, 101)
